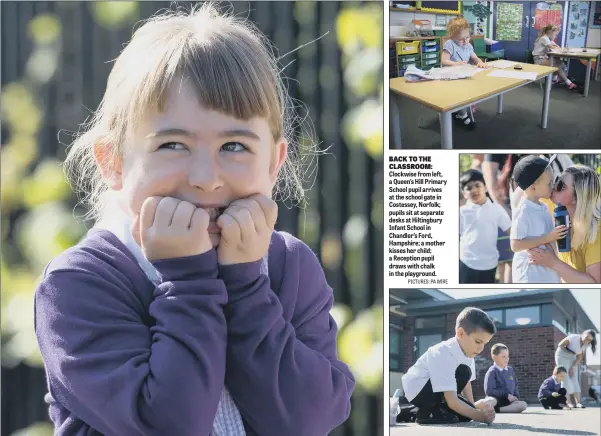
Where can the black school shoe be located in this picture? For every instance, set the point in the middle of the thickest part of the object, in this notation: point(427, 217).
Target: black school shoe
point(464, 121)
point(439, 415)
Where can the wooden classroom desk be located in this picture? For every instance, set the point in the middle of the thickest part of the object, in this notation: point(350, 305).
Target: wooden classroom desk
point(448, 96)
point(589, 55)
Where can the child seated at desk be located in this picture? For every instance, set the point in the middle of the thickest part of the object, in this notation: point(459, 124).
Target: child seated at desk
point(543, 44)
point(458, 51)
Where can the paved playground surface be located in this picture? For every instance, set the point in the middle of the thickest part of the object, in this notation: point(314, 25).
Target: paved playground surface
point(534, 421)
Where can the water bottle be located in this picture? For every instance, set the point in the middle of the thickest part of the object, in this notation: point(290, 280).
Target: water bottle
point(562, 218)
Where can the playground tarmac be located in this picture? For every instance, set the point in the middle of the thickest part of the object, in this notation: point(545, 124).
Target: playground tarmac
point(533, 422)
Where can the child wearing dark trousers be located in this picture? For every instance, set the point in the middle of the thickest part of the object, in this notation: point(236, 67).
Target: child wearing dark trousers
point(439, 383)
point(551, 395)
point(433, 404)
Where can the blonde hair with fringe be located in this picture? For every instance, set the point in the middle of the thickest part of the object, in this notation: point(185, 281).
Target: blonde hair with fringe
point(233, 70)
point(587, 216)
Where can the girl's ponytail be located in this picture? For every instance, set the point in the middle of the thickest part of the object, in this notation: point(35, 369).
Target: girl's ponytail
point(543, 31)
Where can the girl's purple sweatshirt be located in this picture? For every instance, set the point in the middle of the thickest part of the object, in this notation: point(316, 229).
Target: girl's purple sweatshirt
point(126, 357)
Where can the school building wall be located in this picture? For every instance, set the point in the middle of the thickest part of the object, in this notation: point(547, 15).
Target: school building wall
point(531, 354)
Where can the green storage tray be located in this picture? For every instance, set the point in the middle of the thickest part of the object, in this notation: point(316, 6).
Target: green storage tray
point(433, 55)
point(409, 59)
point(429, 42)
point(428, 62)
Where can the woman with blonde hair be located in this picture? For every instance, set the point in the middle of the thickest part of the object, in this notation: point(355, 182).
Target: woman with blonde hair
point(542, 45)
point(579, 190)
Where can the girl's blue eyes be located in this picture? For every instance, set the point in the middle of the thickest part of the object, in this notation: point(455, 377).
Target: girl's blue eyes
point(233, 147)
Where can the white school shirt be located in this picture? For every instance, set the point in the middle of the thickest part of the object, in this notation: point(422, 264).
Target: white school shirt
point(541, 47)
point(531, 220)
point(438, 365)
point(228, 421)
point(574, 344)
point(478, 233)
point(499, 368)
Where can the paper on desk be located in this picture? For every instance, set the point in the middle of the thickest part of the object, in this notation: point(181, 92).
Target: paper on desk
point(501, 63)
point(513, 74)
point(413, 74)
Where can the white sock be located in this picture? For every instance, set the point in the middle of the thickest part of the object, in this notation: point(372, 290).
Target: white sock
point(568, 82)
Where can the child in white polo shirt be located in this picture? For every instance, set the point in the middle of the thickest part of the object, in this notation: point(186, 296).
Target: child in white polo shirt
point(479, 221)
point(439, 383)
point(532, 224)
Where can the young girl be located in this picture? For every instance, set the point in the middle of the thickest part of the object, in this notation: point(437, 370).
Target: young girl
point(458, 51)
point(183, 312)
point(542, 45)
point(479, 221)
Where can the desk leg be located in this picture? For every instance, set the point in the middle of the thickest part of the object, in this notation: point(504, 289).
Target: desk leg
point(395, 120)
point(587, 79)
point(500, 104)
point(546, 101)
point(446, 130)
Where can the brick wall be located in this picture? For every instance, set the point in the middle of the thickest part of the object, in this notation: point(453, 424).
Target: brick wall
point(408, 346)
point(531, 354)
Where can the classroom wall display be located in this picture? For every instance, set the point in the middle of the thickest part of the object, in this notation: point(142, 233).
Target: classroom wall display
point(578, 14)
point(595, 18)
point(477, 13)
point(509, 21)
point(548, 13)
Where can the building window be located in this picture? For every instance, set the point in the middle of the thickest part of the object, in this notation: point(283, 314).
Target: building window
point(522, 316)
point(395, 350)
point(497, 317)
point(431, 322)
point(426, 341)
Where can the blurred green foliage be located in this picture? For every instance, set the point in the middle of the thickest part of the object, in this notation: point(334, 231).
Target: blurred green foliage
point(37, 217)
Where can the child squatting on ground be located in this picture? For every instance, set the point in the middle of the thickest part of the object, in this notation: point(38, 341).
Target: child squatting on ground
point(501, 382)
point(532, 223)
point(551, 395)
point(458, 51)
point(183, 312)
point(479, 221)
point(439, 383)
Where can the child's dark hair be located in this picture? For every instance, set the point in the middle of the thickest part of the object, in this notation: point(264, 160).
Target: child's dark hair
point(594, 341)
point(472, 176)
point(472, 319)
point(559, 369)
point(498, 348)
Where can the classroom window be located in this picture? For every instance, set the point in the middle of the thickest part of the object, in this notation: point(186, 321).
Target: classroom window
point(522, 316)
point(430, 322)
point(395, 350)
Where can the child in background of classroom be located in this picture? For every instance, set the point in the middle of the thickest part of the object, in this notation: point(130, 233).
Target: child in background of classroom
point(532, 224)
point(479, 221)
point(551, 395)
point(543, 44)
point(440, 382)
point(501, 382)
point(458, 51)
point(183, 270)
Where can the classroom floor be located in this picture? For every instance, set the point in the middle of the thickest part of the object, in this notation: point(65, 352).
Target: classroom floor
point(573, 122)
point(535, 421)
